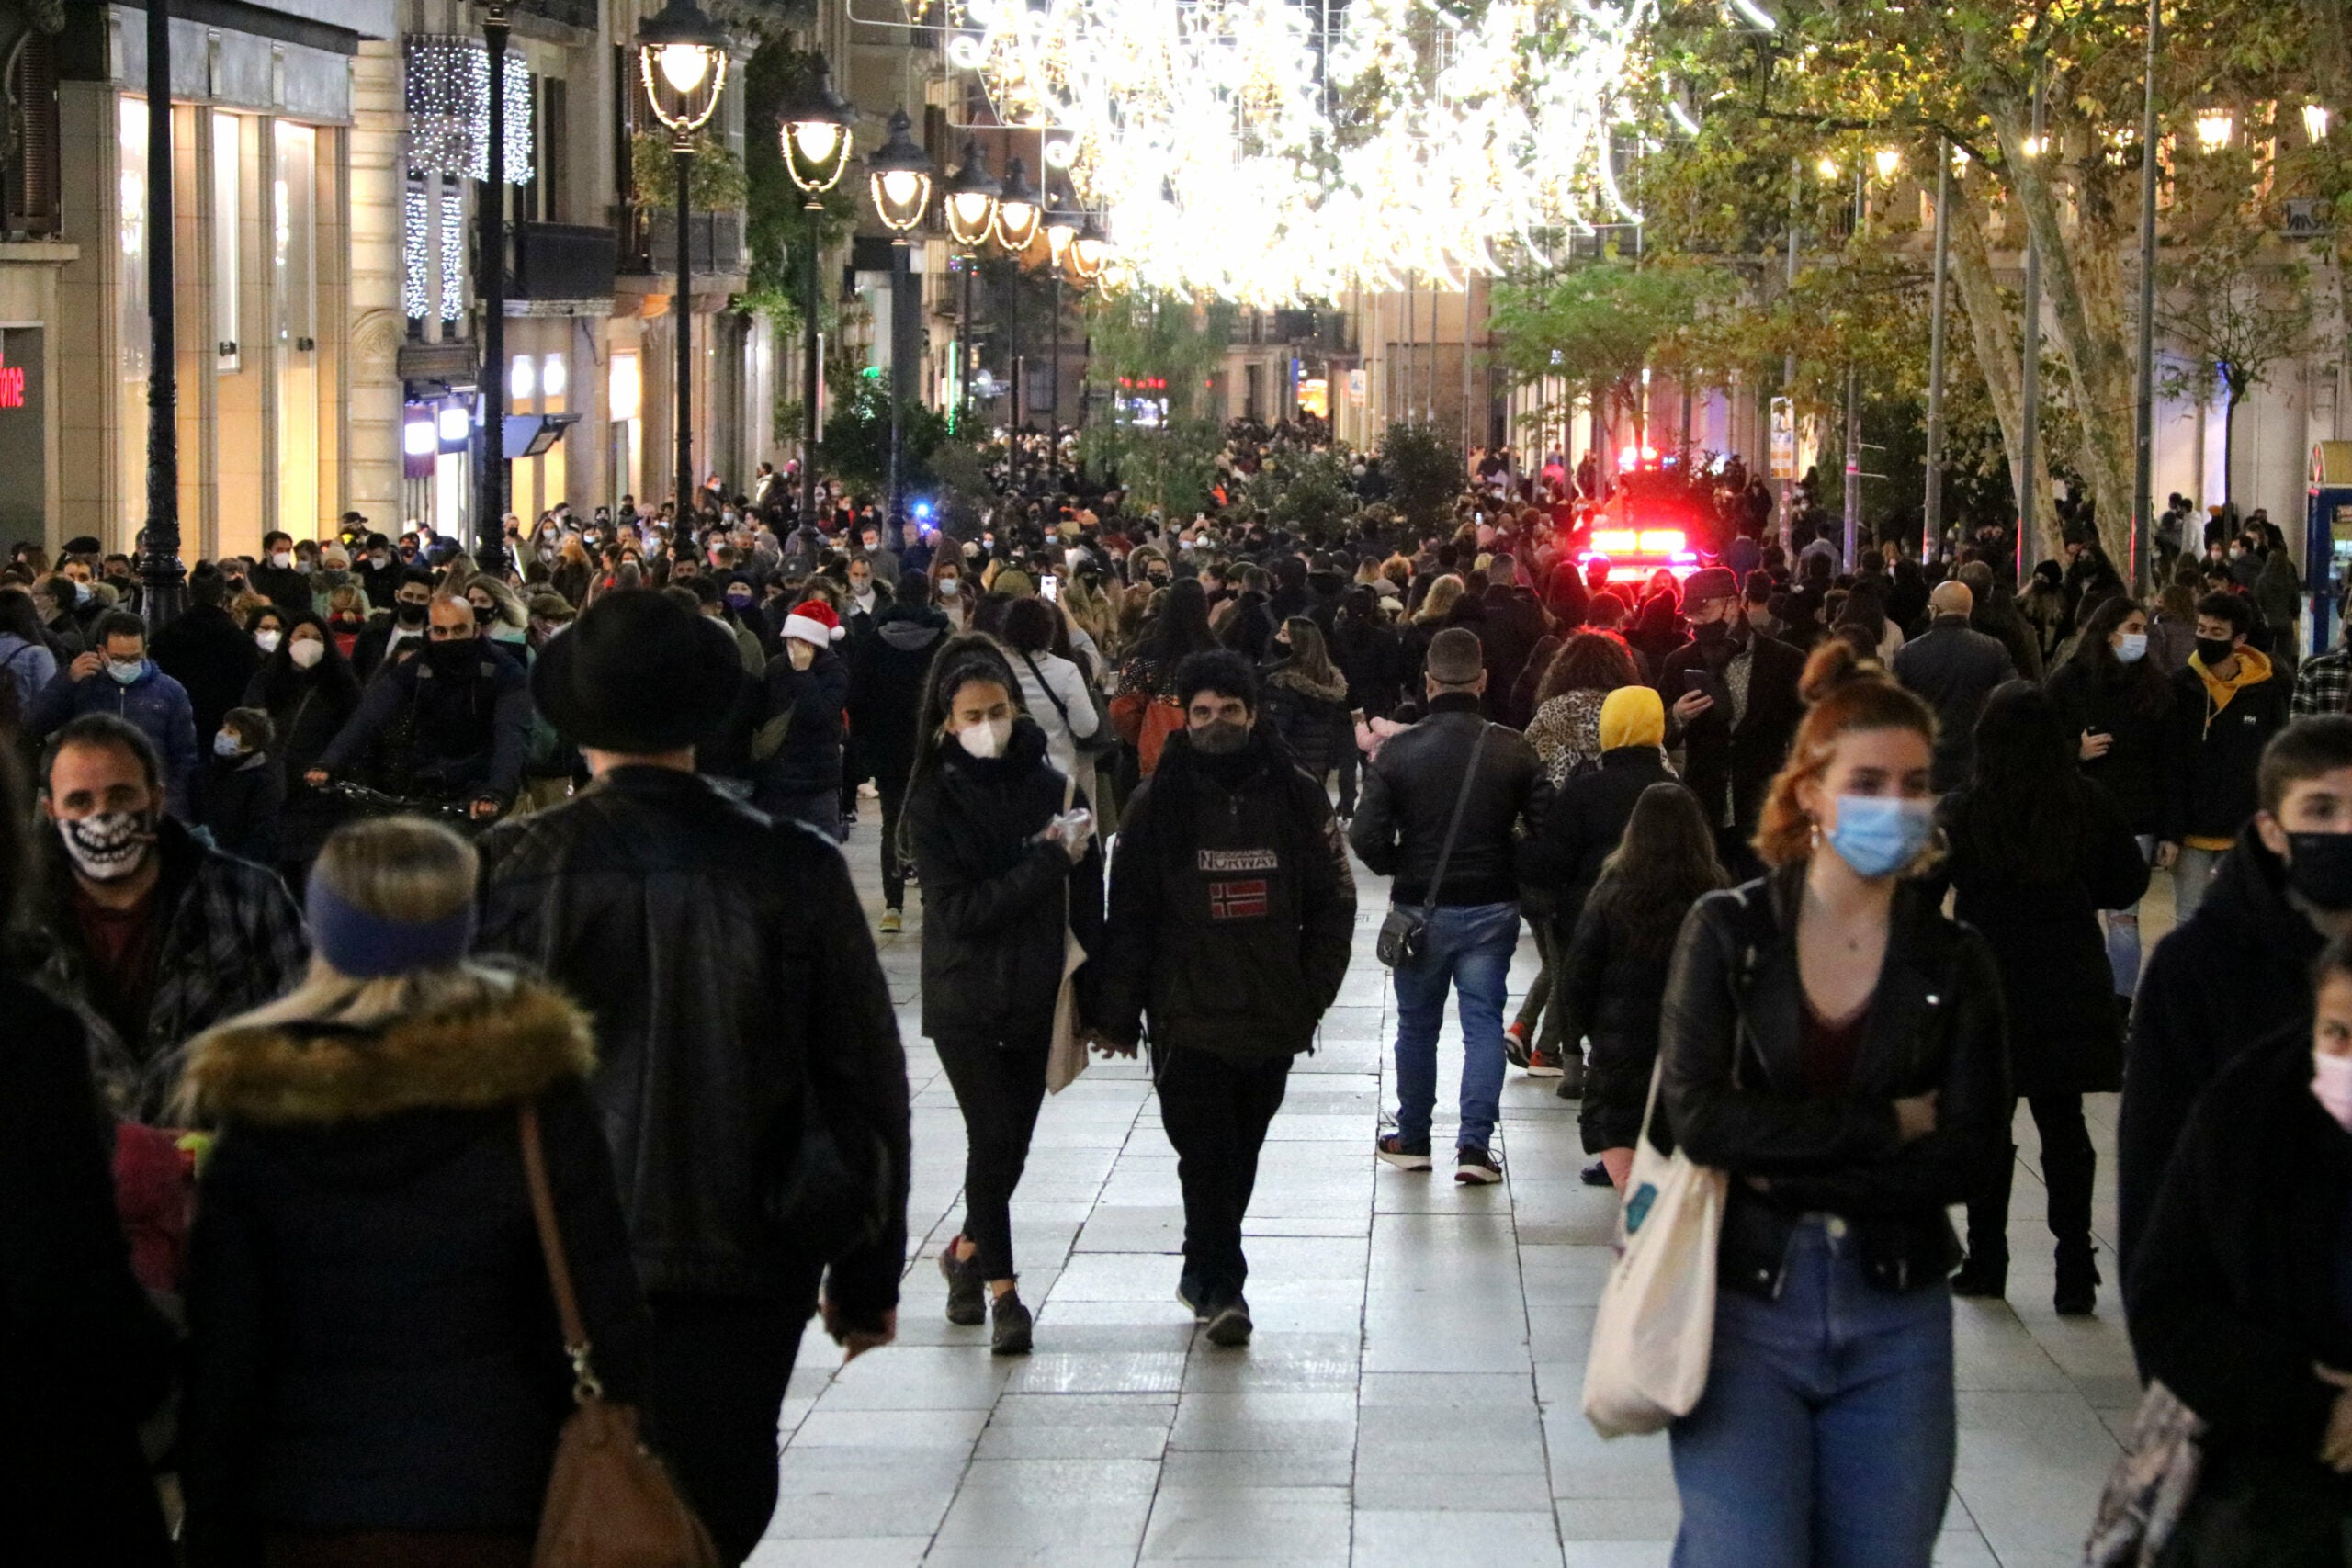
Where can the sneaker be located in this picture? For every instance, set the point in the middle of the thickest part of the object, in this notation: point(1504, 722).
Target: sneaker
point(1393, 1149)
point(1515, 1047)
point(891, 924)
point(1011, 1333)
point(1230, 1326)
point(1476, 1167)
point(1543, 1065)
point(1596, 1175)
point(967, 1304)
point(1193, 1297)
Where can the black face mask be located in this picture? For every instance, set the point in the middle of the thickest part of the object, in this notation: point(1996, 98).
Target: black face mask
point(1220, 737)
point(455, 656)
point(2319, 867)
point(1710, 633)
point(482, 613)
point(2215, 651)
point(408, 611)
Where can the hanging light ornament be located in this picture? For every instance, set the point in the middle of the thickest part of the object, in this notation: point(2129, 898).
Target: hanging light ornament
point(971, 198)
point(1018, 211)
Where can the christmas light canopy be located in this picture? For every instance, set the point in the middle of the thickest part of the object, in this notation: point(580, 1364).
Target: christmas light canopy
point(682, 55)
point(898, 176)
point(815, 126)
point(971, 196)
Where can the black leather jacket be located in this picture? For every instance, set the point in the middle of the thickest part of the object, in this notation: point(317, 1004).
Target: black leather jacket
point(1409, 794)
point(1730, 1039)
point(727, 965)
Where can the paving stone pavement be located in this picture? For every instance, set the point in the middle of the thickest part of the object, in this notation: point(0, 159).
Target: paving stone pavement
point(1413, 1393)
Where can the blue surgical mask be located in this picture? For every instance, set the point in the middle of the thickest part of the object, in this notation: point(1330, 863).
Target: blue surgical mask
point(2131, 646)
point(225, 744)
point(1878, 835)
point(126, 672)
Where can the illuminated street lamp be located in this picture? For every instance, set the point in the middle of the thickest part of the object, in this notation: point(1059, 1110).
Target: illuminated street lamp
point(682, 57)
point(814, 130)
point(1889, 160)
point(1018, 210)
point(2214, 128)
point(1089, 250)
point(898, 177)
point(969, 202)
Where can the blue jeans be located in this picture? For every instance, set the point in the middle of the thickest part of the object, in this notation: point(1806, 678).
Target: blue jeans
point(1468, 947)
point(1826, 1435)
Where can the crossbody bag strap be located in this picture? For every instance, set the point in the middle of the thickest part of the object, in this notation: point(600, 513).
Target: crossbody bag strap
point(1059, 706)
point(1453, 828)
point(584, 1386)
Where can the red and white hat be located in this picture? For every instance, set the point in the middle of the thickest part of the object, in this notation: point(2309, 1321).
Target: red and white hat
point(813, 620)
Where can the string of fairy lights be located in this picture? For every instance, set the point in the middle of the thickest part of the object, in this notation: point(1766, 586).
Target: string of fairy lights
point(1267, 151)
point(447, 95)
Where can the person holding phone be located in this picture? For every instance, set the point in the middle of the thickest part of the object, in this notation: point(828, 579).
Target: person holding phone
point(1735, 732)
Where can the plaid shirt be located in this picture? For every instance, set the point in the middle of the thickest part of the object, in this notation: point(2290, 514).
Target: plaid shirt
point(2324, 684)
point(232, 939)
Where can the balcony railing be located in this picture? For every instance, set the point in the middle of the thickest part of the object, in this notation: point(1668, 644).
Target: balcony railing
point(563, 260)
point(648, 241)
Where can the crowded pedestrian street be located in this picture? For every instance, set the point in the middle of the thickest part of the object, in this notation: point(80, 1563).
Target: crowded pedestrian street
point(1413, 1393)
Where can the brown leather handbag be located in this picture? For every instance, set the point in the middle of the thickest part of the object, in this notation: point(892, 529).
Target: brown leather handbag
point(610, 1503)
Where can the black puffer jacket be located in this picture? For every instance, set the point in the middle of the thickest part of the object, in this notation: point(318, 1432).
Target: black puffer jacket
point(2239, 972)
point(1613, 984)
point(888, 665)
point(2132, 711)
point(1232, 906)
point(1311, 718)
point(994, 896)
point(1585, 823)
point(1732, 1095)
point(1409, 794)
point(206, 651)
point(810, 758)
point(376, 1346)
point(726, 964)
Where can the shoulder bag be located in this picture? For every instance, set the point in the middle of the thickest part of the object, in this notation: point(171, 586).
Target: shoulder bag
point(1104, 741)
point(1405, 933)
point(610, 1503)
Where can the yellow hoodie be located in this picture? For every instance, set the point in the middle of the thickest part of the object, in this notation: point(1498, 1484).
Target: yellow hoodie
point(1632, 715)
point(2254, 668)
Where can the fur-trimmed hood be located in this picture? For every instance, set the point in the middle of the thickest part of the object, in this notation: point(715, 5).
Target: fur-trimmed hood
point(1294, 679)
point(504, 1039)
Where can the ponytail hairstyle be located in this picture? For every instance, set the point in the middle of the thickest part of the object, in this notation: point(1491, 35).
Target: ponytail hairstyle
point(1843, 694)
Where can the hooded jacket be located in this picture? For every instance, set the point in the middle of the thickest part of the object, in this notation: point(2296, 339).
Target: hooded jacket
point(1310, 715)
point(2238, 972)
point(1232, 906)
point(809, 760)
point(157, 705)
point(736, 993)
point(2213, 747)
point(995, 897)
point(886, 670)
point(375, 1338)
point(211, 657)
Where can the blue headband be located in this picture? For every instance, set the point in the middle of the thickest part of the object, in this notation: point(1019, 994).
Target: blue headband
point(370, 947)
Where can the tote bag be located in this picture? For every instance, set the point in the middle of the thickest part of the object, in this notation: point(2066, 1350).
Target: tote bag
point(1654, 1331)
point(1066, 1047)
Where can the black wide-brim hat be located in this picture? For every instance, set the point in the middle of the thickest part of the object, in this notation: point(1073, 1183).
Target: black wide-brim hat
point(638, 672)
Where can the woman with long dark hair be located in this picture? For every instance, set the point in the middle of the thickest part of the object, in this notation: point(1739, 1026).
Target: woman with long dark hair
point(1834, 1045)
point(1143, 709)
point(1566, 730)
point(2037, 850)
point(1365, 647)
point(1004, 869)
point(2113, 698)
point(1305, 700)
point(1615, 965)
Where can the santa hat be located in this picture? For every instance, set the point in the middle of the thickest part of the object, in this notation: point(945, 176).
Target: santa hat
point(813, 620)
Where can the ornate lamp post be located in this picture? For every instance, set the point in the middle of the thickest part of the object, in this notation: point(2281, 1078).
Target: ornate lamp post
point(681, 56)
point(970, 206)
point(1018, 214)
point(898, 177)
point(815, 127)
point(159, 561)
point(490, 282)
point(1061, 232)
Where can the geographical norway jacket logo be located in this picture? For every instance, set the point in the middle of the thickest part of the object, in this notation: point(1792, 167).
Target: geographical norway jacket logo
point(1237, 900)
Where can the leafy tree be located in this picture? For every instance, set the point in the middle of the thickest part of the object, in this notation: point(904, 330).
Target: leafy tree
point(1425, 473)
point(1307, 492)
point(2238, 315)
point(1157, 352)
point(857, 446)
point(1596, 326)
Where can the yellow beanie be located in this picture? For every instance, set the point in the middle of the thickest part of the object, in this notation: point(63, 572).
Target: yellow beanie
point(1632, 715)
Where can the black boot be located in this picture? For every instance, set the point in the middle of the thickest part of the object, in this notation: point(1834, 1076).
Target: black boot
point(2077, 1291)
point(1986, 1272)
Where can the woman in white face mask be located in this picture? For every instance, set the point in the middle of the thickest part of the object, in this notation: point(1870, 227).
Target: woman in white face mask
point(2238, 1296)
point(1006, 858)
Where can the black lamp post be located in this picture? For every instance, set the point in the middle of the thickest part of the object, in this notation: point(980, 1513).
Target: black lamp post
point(489, 282)
point(971, 206)
point(1018, 214)
point(1061, 231)
point(160, 558)
point(682, 57)
point(898, 176)
point(815, 128)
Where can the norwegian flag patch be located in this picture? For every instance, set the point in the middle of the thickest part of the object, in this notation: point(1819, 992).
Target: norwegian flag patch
point(1237, 900)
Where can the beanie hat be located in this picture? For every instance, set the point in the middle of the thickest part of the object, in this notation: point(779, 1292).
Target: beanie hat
point(813, 620)
point(1632, 715)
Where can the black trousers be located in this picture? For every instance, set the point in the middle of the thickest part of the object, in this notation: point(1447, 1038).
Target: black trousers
point(2068, 1164)
point(999, 1084)
point(718, 1373)
point(1215, 1109)
point(893, 785)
